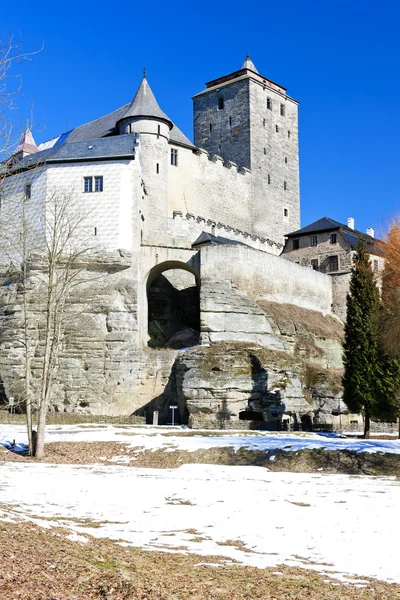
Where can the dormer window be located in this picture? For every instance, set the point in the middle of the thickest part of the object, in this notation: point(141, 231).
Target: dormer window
point(220, 103)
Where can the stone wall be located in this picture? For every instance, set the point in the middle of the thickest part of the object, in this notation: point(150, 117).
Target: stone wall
point(259, 275)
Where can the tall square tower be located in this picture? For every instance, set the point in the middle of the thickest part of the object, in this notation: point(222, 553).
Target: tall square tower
point(249, 120)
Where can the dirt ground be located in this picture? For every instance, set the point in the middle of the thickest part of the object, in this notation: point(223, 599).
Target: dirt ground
point(40, 564)
point(303, 461)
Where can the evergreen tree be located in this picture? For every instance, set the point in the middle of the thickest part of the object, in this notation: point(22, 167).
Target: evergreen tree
point(362, 368)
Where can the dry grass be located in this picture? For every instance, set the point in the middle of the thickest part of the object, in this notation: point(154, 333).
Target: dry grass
point(305, 321)
point(303, 461)
point(39, 564)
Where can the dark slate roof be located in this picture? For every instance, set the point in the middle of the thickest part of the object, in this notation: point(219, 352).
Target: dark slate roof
point(351, 236)
point(104, 148)
point(144, 104)
point(324, 224)
point(209, 238)
point(373, 245)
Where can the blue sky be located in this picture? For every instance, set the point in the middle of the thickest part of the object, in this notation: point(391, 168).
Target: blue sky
point(339, 58)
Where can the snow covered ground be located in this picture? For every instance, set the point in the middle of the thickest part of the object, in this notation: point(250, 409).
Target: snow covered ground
point(344, 526)
point(154, 438)
point(336, 524)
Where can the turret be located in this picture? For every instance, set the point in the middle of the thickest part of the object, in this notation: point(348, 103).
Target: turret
point(26, 146)
point(145, 117)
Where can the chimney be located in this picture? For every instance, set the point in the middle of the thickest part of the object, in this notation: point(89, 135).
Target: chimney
point(370, 232)
point(350, 222)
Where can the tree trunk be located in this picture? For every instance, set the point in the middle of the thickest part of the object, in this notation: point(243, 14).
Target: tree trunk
point(28, 398)
point(44, 392)
point(367, 425)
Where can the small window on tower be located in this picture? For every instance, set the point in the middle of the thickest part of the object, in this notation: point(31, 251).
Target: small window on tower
point(269, 178)
point(282, 110)
point(264, 122)
point(158, 131)
point(285, 212)
point(220, 103)
point(210, 127)
point(277, 127)
point(285, 160)
point(230, 121)
point(288, 134)
point(28, 191)
point(265, 151)
point(157, 168)
point(174, 157)
point(284, 185)
point(269, 103)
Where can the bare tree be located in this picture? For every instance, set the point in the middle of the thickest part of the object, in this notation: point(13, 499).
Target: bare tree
point(65, 257)
point(11, 55)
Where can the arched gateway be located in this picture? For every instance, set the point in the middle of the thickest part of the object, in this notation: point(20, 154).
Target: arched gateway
point(173, 303)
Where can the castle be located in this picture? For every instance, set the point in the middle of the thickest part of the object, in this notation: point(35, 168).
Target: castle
point(190, 236)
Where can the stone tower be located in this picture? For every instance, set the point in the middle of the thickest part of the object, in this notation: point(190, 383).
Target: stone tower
point(249, 120)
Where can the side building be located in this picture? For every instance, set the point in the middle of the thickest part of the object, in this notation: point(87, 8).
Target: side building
point(328, 246)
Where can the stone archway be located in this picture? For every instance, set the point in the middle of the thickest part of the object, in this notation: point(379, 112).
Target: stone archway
point(173, 304)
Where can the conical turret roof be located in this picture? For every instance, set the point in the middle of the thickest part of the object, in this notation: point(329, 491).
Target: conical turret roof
point(144, 104)
point(27, 144)
point(248, 64)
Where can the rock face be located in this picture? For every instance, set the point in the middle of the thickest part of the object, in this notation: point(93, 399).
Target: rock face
point(240, 385)
point(250, 372)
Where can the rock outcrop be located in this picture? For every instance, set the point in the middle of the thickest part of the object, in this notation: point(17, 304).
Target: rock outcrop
point(242, 385)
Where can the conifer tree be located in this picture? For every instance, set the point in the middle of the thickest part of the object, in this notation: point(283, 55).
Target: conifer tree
point(361, 349)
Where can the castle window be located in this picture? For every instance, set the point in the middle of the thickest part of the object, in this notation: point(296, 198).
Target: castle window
point(314, 240)
point(277, 127)
point(333, 263)
point(265, 151)
point(282, 110)
point(288, 134)
point(285, 160)
point(174, 157)
point(315, 264)
point(210, 127)
point(285, 185)
point(230, 121)
point(295, 244)
point(333, 238)
point(220, 103)
point(285, 212)
point(269, 103)
point(95, 231)
point(269, 178)
point(376, 266)
point(264, 122)
point(98, 183)
point(88, 184)
point(28, 191)
point(158, 131)
point(157, 168)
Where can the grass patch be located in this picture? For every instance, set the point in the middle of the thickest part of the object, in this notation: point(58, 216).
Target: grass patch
point(51, 567)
